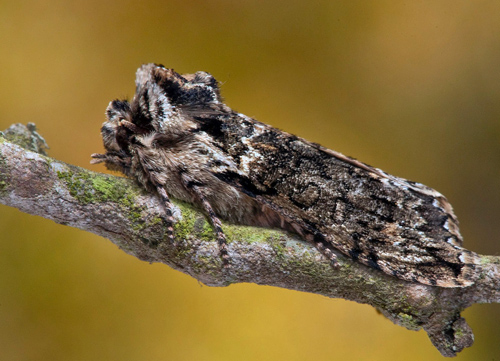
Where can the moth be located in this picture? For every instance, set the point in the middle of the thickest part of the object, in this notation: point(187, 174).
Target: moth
point(177, 138)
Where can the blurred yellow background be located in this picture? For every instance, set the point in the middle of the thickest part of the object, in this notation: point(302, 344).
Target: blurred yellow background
point(409, 87)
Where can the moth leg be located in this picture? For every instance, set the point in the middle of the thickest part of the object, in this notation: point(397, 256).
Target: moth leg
point(319, 242)
point(216, 223)
point(111, 158)
point(168, 209)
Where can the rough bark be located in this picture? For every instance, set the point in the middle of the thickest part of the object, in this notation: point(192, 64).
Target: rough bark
point(117, 209)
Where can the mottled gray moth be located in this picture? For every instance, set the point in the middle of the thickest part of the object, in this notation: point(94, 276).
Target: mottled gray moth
point(177, 138)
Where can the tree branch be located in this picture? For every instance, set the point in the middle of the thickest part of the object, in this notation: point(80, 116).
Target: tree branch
point(117, 209)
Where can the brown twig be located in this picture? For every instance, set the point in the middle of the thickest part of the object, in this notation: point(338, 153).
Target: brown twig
point(117, 209)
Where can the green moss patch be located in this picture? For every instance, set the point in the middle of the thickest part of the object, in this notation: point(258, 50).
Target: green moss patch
point(87, 187)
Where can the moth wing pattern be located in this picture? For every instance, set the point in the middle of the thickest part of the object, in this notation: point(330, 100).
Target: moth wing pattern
point(403, 228)
point(178, 137)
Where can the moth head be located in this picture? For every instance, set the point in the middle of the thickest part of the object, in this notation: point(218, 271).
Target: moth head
point(116, 130)
point(116, 135)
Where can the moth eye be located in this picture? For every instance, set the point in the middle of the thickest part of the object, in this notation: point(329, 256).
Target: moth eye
point(109, 134)
point(107, 130)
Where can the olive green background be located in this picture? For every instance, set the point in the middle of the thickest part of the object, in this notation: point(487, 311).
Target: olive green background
point(410, 87)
